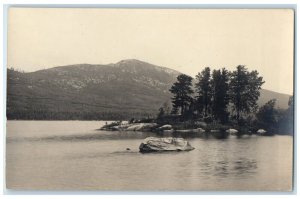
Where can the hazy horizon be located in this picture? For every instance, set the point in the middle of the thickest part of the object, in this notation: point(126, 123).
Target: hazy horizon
point(186, 40)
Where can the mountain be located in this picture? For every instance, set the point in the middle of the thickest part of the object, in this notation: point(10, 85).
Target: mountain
point(125, 89)
point(129, 88)
point(281, 99)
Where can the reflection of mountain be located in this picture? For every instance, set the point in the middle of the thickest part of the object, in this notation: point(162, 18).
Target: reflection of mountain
point(127, 88)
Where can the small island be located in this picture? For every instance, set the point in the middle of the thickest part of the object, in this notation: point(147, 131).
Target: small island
point(218, 104)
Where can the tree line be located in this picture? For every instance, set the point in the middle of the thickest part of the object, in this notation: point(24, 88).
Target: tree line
point(224, 97)
point(33, 114)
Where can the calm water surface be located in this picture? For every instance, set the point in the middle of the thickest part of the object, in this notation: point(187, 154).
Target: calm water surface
point(72, 155)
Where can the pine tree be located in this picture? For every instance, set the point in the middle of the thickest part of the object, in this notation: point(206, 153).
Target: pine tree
point(220, 98)
point(203, 88)
point(244, 90)
point(266, 116)
point(182, 91)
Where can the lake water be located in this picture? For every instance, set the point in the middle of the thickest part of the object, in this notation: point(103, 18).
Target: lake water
point(73, 155)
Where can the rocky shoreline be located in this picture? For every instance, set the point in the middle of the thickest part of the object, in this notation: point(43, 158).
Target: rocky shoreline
point(171, 137)
point(170, 130)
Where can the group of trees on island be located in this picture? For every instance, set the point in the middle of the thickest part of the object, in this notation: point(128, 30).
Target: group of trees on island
point(213, 92)
point(277, 120)
point(224, 97)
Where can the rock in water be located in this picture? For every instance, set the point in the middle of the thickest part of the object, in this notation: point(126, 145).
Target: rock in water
point(165, 127)
point(232, 131)
point(261, 131)
point(153, 144)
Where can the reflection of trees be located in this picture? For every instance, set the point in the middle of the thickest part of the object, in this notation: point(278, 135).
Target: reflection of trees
point(244, 166)
point(239, 167)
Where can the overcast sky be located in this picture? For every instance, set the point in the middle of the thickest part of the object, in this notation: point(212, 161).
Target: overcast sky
point(184, 40)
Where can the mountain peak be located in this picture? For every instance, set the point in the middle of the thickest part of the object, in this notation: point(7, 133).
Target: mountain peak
point(131, 62)
point(136, 64)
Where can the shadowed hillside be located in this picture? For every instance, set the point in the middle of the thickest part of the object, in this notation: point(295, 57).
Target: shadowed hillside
point(281, 102)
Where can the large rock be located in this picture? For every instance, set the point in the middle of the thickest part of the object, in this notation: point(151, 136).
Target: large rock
point(153, 144)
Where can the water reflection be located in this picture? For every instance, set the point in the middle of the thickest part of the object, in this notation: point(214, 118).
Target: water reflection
point(222, 168)
point(101, 155)
point(85, 137)
point(67, 155)
point(245, 166)
point(107, 135)
point(239, 168)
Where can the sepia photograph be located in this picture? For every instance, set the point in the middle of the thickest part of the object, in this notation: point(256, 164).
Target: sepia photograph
point(145, 99)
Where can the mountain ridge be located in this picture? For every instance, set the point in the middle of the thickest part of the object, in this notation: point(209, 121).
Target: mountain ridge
point(128, 88)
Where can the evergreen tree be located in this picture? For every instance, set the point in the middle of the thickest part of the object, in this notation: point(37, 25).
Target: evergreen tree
point(203, 88)
point(267, 116)
point(182, 90)
point(220, 98)
point(254, 85)
point(290, 110)
point(244, 90)
point(286, 123)
point(290, 115)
